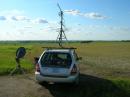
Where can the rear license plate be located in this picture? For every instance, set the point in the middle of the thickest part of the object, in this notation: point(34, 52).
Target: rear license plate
point(55, 70)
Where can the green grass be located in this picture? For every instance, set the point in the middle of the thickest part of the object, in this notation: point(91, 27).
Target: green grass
point(105, 67)
point(108, 59)
point(105, 59)
point(8, 54)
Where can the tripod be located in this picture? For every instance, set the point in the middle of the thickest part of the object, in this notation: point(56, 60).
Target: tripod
point(18, 68)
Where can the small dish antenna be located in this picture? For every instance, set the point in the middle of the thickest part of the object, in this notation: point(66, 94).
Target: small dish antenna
point(20, 53)
point(61, 35)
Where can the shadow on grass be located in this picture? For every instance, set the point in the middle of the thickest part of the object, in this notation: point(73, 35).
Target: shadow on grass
point(89, 86)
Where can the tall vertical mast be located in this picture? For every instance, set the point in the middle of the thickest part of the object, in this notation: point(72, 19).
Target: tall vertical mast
point(61, 35)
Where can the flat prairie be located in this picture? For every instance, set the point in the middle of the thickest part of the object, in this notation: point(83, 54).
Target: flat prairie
point(104, 68)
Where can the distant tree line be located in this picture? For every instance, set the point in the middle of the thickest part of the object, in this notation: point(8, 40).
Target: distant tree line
point(54, 41)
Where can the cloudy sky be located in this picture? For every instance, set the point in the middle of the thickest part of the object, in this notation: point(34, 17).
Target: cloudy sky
point(84, 19)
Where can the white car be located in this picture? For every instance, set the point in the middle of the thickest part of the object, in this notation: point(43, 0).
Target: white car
point(58, 65)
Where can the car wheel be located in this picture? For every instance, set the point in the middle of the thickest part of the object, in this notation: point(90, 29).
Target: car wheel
point(42, 83)
point(76, 82)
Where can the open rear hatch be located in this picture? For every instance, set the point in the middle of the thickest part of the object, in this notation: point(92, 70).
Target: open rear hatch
point(55, 64)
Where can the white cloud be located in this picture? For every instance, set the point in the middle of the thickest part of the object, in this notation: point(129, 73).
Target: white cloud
point(18, 15)
point(2, 18)
point(121, 29)
point(72, 12)
point(28, 27)
point(13, 15)
point(50, 28)
point(23, 18)
point(19, 18)
point(53, 29)
point(94, 15)
point(91, 15)
point(82, 32)
point(40, 21)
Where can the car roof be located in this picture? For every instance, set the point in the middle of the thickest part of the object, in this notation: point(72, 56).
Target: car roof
point(60, 50)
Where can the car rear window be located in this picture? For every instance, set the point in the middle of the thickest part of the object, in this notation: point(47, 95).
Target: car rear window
point(56, 59)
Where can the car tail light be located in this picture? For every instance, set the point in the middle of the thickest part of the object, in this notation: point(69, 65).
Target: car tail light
point(37, 67)
point(74, 70)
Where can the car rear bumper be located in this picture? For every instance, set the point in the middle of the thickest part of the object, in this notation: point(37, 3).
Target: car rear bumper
point(69, 79)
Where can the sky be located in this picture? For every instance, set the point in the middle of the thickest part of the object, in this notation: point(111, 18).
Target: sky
point(83, 19)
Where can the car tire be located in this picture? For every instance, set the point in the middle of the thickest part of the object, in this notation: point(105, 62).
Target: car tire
point(77, 81)
point(42, 83)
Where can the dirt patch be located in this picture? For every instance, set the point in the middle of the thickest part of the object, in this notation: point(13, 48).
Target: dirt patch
point(21, 86)
point(90, 86)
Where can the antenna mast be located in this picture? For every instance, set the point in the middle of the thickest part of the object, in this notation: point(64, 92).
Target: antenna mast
point(61, 35)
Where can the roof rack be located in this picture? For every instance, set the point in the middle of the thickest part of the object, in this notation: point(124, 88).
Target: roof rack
point(59, 48)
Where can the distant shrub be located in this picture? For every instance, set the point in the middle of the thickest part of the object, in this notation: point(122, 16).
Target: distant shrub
point(86, 41)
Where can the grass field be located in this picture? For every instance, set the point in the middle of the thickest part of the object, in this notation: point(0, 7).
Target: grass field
point(106, 65)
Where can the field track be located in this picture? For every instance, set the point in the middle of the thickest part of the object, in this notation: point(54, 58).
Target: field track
point(26, 86)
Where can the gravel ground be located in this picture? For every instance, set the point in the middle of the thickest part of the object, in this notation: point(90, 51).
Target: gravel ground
point(21, 86)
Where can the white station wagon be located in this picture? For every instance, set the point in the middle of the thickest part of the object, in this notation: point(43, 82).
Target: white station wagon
point(58, 65)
